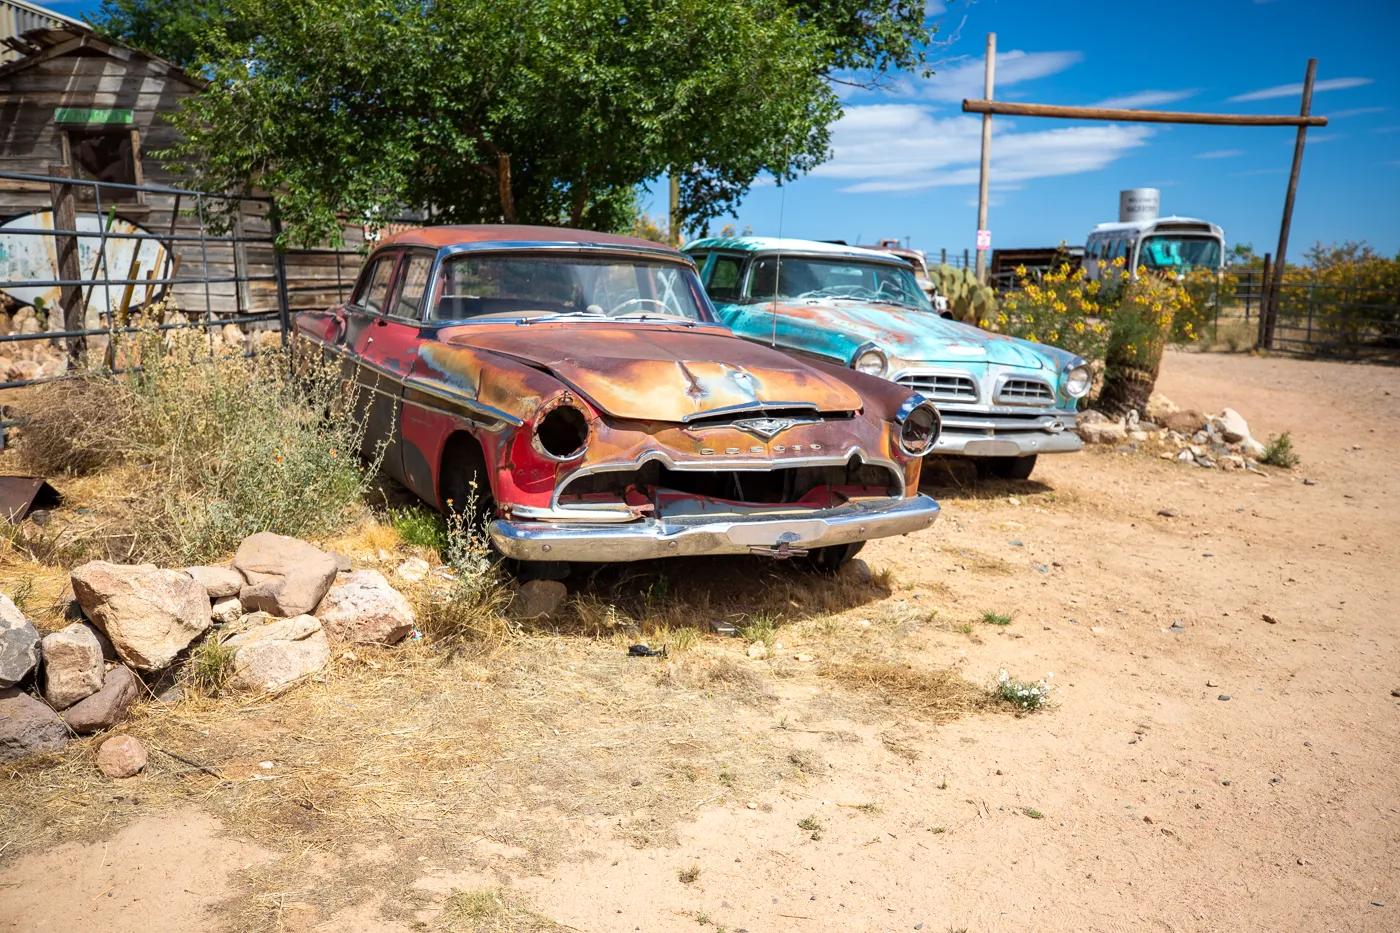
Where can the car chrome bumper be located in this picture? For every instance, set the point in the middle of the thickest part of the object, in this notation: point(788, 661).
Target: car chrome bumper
point(699, 535)
point(996, 434)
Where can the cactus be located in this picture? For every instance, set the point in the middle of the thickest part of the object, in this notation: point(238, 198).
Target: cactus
point(969, 300)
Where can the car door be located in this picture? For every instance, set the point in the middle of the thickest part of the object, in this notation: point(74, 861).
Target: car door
point(385, 349)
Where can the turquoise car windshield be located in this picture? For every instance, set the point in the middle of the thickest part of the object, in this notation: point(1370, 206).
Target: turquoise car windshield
point(807, 277)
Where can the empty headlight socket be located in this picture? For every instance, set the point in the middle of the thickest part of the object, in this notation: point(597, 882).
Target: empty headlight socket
point(561, 430)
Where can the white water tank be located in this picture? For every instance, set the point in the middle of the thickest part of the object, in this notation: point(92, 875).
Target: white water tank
point(1139, 204)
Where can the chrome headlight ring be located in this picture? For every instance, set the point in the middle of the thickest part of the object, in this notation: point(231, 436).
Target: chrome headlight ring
point(1078, 380)
point(919, 425)
point(871, 360)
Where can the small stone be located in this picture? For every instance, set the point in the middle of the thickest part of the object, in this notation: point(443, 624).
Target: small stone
point(27, 726)
point(415, 569)
point(226, 611)
point(72, 665)
point(365, 609)
point(121, 756)
point(270, 656)
point(1168, 513)
point(108, 706)
point(1307, 481)
point(803, 657)
point(1226, 782)
point(219, 582)
point(1302, 861)
point(1395, 692)
point(1275, 780)
point(1133, 740)
point(342, 562)
point(757, 651)
point(1211, 683)
point(286, 576)
point(540, 600)
point(751, 806)
point(1270, 619)
point(1378, 903)
point(918, 926)
point(1224, 696)
point(19, 644)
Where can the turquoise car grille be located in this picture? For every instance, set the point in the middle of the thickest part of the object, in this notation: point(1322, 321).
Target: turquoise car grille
point(1025, 392)
point(941, 386)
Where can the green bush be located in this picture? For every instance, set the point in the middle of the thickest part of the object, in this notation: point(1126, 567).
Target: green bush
point(1279, 452)
point(420, 527)
point(225, 446)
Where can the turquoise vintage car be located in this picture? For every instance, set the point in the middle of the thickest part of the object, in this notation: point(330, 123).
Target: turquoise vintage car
point(1004, 400)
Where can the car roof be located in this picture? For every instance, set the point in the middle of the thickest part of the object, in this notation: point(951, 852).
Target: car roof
point(765, 244)
point(523, 234)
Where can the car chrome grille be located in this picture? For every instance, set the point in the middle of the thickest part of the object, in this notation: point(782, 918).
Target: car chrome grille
point(941, 386)
point(1025, 392)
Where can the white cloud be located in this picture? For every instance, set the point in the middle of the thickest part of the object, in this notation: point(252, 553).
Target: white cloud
point(935, 8)
point(1317, 138)
point(1296, 90)
point(968, 77)
point(1354, 112)
point(1221, 154)
point(1262, 171)
point(1387, 129)
point(1147, 99)
point(903, 147)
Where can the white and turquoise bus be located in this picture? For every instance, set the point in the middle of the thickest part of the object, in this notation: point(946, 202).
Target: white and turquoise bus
point(1167, 244)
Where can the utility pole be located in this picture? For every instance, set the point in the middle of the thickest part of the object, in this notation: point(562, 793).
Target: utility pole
point(983, 235)
point(1272, 290)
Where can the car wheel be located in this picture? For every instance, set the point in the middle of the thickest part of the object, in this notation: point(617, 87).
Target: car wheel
point(1006, 467)
point(831, 559)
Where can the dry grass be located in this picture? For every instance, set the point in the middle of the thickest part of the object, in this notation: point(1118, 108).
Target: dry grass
point(492, 910)
point(935, 695)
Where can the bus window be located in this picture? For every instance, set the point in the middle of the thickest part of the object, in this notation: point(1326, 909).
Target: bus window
point(1176, 252)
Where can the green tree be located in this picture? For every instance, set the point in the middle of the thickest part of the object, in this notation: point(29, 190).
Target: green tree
point(180, 31)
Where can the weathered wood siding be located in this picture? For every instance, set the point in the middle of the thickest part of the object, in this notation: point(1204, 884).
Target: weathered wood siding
point(31, 141)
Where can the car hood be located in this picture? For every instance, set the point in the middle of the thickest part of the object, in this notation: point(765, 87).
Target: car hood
point(652, 373)
point(911, 336)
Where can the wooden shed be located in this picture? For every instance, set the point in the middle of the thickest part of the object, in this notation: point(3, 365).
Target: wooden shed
point(73, 103)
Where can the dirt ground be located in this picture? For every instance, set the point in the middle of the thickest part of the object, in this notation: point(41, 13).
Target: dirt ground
point(1222, 751)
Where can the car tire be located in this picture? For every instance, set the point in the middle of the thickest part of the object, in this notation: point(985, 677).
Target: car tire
point(833, 558)
point(1006, 467)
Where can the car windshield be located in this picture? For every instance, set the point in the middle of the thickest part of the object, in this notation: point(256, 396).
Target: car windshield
point(539, 286)
point(806, 277)
point(1174, 252)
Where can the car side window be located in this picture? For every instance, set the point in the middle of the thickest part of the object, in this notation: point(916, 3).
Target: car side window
point(722, 278)
point(413, 283)
point(374, 285)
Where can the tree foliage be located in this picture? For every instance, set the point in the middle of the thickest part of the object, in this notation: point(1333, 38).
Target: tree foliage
point(543, 111)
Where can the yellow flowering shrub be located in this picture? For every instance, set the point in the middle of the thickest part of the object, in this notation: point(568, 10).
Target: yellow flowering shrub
point(1061, 308)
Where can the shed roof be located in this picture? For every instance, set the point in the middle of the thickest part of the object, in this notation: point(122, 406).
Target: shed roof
point(437, 237)
point(40, 45)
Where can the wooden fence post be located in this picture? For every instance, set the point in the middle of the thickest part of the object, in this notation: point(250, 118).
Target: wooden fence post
point(1266, 334)
point(65, 217)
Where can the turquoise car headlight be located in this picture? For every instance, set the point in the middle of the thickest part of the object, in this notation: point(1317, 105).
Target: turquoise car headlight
point(1078, 380)
point(871, 361)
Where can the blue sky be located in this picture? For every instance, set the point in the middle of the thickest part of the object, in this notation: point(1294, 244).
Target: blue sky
point(905, 159)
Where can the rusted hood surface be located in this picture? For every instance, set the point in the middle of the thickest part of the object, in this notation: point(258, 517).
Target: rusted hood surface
point(652, 373)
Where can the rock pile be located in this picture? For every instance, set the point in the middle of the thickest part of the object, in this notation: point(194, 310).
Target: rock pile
point(1188, 437)
point(277, 610)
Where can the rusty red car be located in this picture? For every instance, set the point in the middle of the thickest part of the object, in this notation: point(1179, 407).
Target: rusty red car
point(580, 389)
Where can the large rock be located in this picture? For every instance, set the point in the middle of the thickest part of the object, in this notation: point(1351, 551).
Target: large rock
point(19, 644)
point(286, 576)
point(28, 727)
point(272, 655)
point(72, 665)
point(226, 611)
point(538, 600)
point(108, 706)
point(367, 610)
point(1186, 421)
point(1158, 407)
point(1231, 425)
point(121, 756)
point(219, 582)
point(151, 615)
point(1102, 432)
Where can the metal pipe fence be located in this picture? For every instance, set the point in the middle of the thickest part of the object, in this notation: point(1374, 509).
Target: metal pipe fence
point(76, 272)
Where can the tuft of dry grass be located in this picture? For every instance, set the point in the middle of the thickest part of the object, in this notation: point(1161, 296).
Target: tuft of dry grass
point(492, 910)
point(938, 695)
